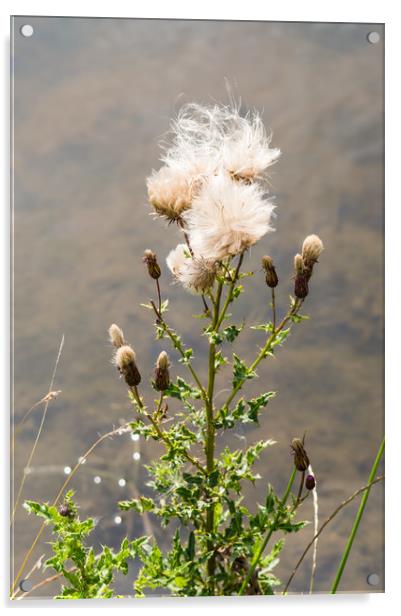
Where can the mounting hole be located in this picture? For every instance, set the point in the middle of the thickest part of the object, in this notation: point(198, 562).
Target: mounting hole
point(26, 30)
point(25, 585)
point(373, 37)
point(373, 579)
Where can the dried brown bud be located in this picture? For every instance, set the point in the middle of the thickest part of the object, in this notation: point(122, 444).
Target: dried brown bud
point(125, 361)
point(271, 274)
point(162, 376)
point(301, 460)
point(116, 336)
point(301, 288)
point(311, 250)
point(150, 259)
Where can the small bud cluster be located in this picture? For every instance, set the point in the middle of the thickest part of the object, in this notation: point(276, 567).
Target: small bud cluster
point(304, 263)
point(270, 271)
point(301, 462)
point(125, 361)
point(149, 257)
point(124, 357)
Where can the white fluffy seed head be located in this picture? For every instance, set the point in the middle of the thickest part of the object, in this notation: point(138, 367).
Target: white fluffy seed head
point(194, 273)
point(177, 258)
point(171, 191)
point(227, 217)
point(116, 335)
point(246, 152)
point(312, 248)
point(198, 274)
point(194, 140)
point(215, 138)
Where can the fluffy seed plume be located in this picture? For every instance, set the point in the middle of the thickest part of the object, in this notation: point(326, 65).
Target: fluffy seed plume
point(217, 138)
point(149, 257)
point(116, 336)
point(246, 152)
point(270, 271)
point(193, 144)
point(311, 250)
point(125, 360)
point(162, 376)
point(171, 190)
point(205, 141)
point(227, 217)
point(194, 273)
point(177, 258)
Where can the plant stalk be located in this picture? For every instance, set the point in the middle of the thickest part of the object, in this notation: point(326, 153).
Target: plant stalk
point(357, 521)
point(210, 429)
point(327, 521)
point(264, 350)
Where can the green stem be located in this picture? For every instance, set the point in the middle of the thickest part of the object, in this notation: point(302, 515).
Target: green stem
point(162, 436)
point(274, 309)
point(177, 345)
point(325, 523)
point(210, 429)
point(229, 297)
point(357, 521)
point(258, 553)
point(264, 350)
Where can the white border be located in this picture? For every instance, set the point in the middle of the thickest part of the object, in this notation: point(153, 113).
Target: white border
point(339, 11)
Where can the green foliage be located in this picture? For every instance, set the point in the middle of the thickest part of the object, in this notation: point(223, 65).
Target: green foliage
point(245, 411)
point(219, 360)
point(194, 487)
point(187, 356)
point(240, 371)
point(88, 576)
point(228, 334)
point(182, 390)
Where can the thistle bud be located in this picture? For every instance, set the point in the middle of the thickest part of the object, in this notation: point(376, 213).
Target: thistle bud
point(150, 259)
point(125, 360)
point(162, 376)
point(65, 511)
point(299, 264)
point(311, 250)
point(271, 274)
point(301, 288)
point(116, 336)
point(310, 482)
point(301, 460)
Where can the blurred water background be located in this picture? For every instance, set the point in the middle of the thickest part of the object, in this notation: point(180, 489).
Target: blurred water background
point(92, 97)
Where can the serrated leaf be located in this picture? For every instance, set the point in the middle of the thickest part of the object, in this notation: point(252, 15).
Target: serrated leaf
point(231, 332)
point(266, 327)
point(241, 372)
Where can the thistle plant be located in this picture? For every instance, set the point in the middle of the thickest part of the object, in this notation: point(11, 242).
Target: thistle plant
point(213, 186)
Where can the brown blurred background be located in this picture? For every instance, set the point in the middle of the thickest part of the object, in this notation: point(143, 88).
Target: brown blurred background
point(92, 97)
